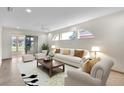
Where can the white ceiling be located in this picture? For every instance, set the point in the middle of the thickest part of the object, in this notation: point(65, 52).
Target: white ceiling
point(50, 18)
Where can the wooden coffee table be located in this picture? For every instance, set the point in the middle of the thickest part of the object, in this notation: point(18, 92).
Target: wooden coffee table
point(51, 65)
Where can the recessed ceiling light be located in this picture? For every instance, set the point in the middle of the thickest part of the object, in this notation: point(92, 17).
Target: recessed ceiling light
point(28, 10)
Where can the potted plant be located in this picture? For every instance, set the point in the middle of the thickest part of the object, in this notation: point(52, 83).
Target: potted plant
point(45, 48)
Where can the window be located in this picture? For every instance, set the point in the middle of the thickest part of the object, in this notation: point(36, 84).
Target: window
point(32, 39)
point(55, 37)
point(85, 34)
point(67, 36)
point(71, 35)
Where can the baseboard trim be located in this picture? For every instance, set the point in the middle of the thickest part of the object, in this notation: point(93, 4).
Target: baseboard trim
point(117, 71)
point(6, 59)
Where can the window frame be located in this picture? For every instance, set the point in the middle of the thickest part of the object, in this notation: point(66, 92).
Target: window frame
point(91, 35)
point(68, 37)
point(54, 37)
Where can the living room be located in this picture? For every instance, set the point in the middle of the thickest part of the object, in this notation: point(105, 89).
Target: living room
point(96, 30)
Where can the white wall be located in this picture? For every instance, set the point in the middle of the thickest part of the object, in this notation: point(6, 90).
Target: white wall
point(109, 36)
point(6, 39)
point(0, 44)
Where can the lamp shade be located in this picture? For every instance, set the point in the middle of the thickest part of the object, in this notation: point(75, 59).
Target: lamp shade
point(95, 48)
point(53, 46)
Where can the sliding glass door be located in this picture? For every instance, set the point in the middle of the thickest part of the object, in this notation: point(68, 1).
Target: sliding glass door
point(18, 45)
point(24, 45)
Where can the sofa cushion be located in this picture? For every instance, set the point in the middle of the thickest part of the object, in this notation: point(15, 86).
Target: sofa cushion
point(57, 50)
point(68, 58)
point(66, 52)
point(79, 53)
point(87, 66)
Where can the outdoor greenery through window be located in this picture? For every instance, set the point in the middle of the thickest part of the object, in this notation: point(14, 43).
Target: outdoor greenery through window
point(66, 35)
point(18, 44)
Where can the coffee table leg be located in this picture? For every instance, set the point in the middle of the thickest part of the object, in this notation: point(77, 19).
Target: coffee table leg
point(63, 68)
point(37, 63)
point(50, 72)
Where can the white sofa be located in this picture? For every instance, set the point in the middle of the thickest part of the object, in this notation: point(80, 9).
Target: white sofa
point(71, 59)
point(98, 76)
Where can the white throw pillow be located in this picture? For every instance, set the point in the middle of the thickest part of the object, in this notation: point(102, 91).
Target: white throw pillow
point(61, 50)
point(72, 52)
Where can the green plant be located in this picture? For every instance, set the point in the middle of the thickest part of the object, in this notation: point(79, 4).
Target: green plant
point(45, 47)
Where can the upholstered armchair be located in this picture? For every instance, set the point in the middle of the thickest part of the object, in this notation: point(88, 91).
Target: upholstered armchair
point(41, 55)
point(97, 77)
point(28, 57)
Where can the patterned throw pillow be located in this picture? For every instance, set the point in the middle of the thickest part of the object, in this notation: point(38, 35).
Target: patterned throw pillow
point(66, 52)
point(87, 66)
point(57, 50)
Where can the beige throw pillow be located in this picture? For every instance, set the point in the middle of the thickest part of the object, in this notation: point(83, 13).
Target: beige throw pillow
point(66, 52)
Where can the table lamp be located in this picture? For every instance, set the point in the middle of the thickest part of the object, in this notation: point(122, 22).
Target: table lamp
point(95, 49)
point(53, 46)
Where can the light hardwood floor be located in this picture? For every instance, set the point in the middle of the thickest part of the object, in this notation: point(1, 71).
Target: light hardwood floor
point(10, 75)
point(115, 79)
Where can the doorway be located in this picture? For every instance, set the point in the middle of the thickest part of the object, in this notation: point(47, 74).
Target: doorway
point(18, 45)
point(31, 44)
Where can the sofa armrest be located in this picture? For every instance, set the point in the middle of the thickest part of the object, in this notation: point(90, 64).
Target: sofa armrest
point(82, 77)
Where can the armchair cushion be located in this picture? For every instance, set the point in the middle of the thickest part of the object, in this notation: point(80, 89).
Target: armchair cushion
point(45, 52)
point(40, 55)
point(28, 57)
